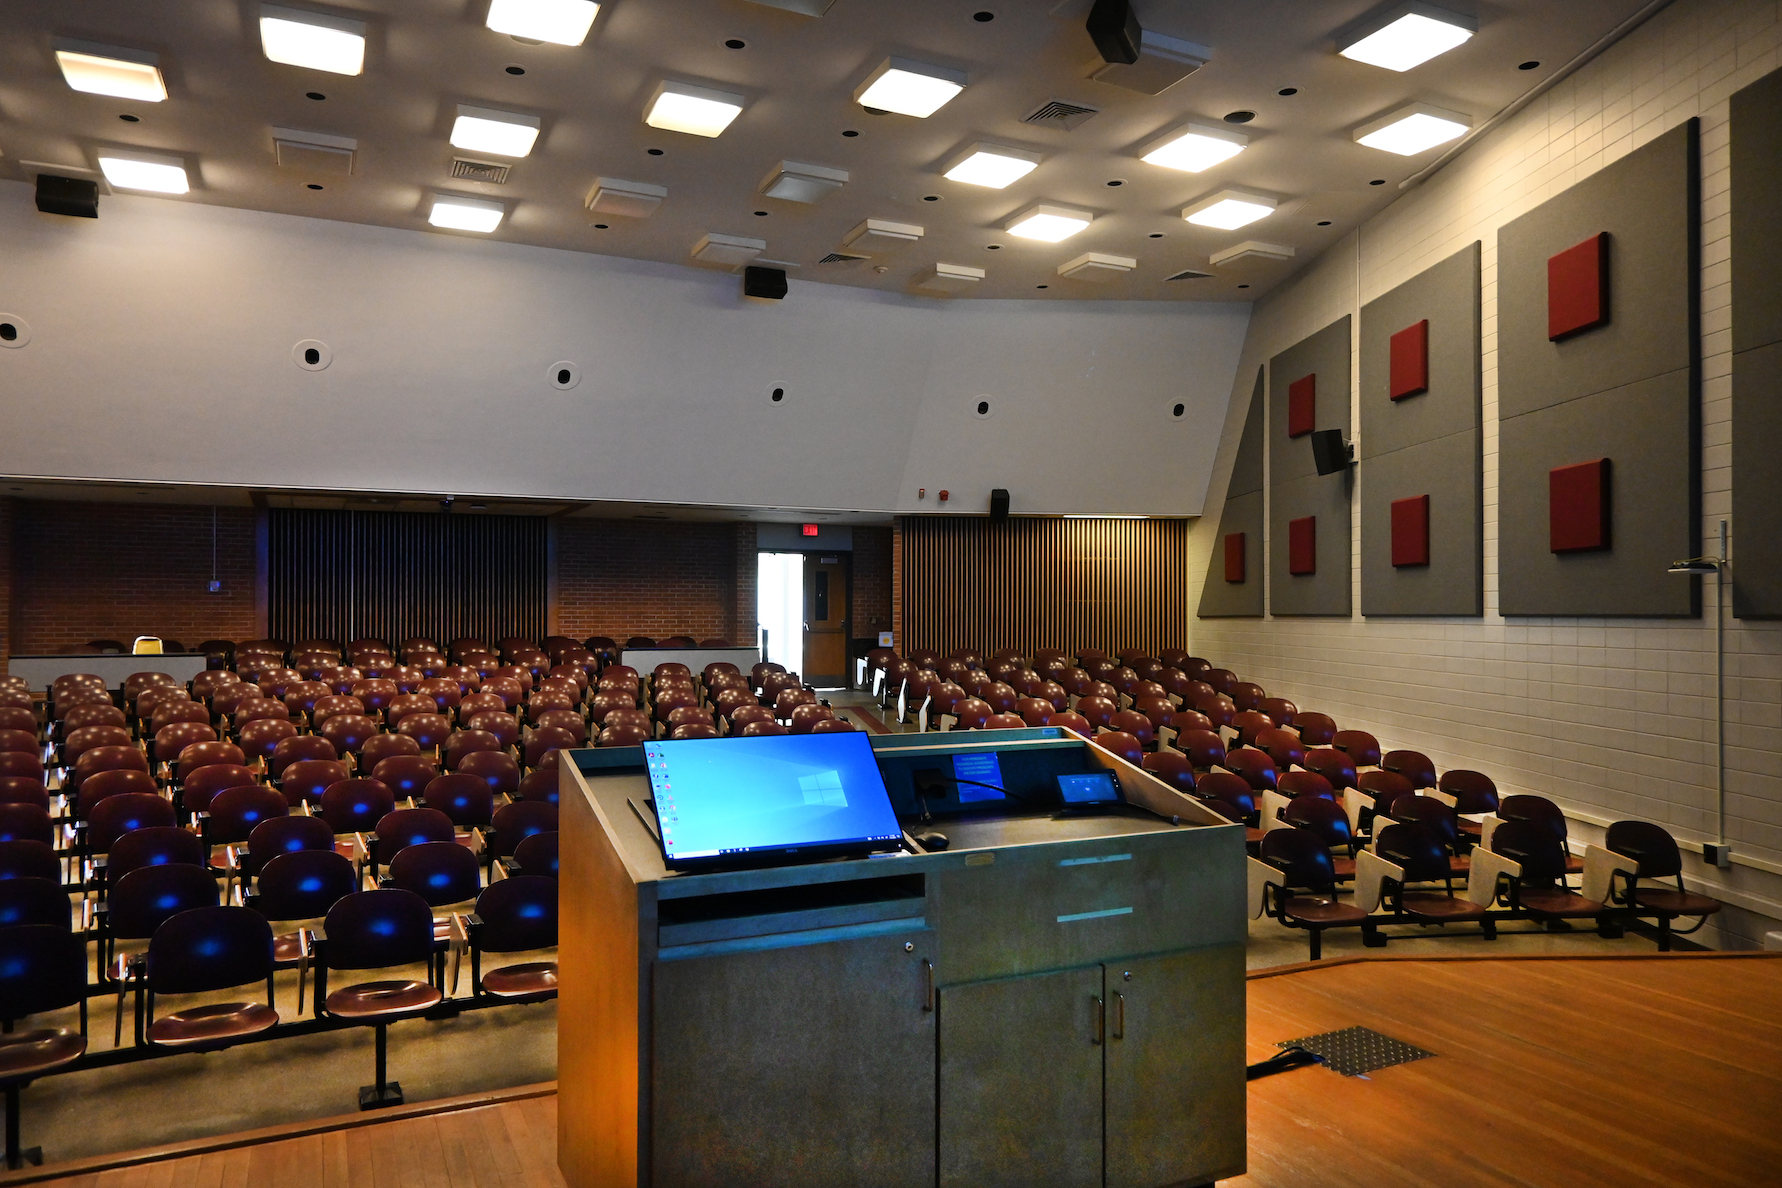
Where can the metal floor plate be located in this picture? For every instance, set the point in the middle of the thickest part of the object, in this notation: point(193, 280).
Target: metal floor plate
point(1354, 1051)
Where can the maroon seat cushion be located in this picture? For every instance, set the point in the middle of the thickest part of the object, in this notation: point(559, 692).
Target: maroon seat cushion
point(373, 1000)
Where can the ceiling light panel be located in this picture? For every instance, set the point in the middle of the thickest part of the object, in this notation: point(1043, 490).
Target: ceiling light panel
point(950, 278)
point(1049, 224)
point(1412, 129)
point(697, 111)
point(633, 199)
point(1409, 35)
point(1195, 147)
point(466, 214)
point(909, 88)
point(1097, 266)
point(881, 233)
point(1251, 249)
point(1229, 209)
point(485, 130)
point(992, 166)
point(794, 181)
point(151, 172)
point(560, 22)
point(730, 250)
point(313, 40)
point(103, 70)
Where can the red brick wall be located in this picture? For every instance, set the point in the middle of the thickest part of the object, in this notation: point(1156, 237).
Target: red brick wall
point(872, 582)
point(656, 578)
point(83, 571)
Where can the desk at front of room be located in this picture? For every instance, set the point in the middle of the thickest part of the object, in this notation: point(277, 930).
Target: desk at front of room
point(1053, 1000)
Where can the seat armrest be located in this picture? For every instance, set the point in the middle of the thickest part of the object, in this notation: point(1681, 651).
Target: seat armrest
point(1260, 875)
point(1600, 868)
point(1371, 871)
point(1488, 826)
point(1354, 800)
point(1272, 804)
point(1482, 876)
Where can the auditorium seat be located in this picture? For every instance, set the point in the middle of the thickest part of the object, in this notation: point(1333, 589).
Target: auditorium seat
point(1362, 748)
point(498, 769)
point(1304, 888)
point(202, 951)
point(1417, 850)
point(372, 930)
point(42, 969)
point(515, 915)
point(295, 889)
point(1539, 887)
point(234, 813)
point(1413, 765)
point(1655, 853)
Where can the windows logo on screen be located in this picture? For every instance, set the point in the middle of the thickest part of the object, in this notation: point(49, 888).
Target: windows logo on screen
point(823, 788)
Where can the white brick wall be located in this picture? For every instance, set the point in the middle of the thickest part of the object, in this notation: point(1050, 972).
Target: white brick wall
point(1610, 717)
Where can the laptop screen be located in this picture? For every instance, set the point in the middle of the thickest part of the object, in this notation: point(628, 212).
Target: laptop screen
point(791, 795)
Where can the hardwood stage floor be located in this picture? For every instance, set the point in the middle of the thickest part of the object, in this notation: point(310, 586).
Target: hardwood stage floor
point(1565, 1071)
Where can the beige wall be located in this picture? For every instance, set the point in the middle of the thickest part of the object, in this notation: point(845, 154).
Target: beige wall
point(1612, 718)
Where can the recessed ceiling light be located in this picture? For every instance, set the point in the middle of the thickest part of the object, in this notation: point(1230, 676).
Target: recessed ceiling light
point(120, 73)
point(313, 40)
point(466, 214)
point(1049, 224)
point(736, 43)
point(1239, 117)
point(128, 170)
point(1194, 147)
point(992, 166)
point(909, 88)
point(130, 119)
point(1324, 222)
point(1288, 91)
point(697, 111)
point(850, 132)
point(485, 130)
point(1529, 65)
point(1409, 35)
point(1412, 129)
point(1229, 209)
point(560, 22)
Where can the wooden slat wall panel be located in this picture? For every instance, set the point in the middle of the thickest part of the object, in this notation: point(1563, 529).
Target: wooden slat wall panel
point(1035, 582)
point(343, 574)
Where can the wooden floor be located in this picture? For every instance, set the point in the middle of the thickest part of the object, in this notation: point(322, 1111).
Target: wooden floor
point(1573, 1072)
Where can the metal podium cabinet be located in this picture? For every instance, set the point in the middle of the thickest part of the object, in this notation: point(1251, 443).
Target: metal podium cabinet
point(823, 1050)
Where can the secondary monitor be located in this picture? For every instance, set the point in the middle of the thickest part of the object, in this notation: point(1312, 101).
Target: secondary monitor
point(1088, 788)
point(769, 798)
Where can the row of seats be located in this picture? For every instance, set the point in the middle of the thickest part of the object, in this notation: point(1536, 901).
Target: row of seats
point(1260, 759)
point(224, 649)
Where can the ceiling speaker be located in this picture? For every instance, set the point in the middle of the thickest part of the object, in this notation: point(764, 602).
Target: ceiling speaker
point(73, 196)
point(766, 283)
point(1114, 28)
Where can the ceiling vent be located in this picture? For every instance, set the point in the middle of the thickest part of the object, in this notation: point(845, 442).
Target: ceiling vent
point(842, 258)
point(1189, 274)
point(315, 152)
point(1056, 113)
point(479, 171)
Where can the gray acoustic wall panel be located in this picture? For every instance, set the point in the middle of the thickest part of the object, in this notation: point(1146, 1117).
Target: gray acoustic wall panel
point(1426, 444)
point(1220, 599)
point(1757, 483)
point(1325, 592)
point(1242, 513)
point(1446, 470)
point(1326, 355)
point(1757, 345)
point(1628, 391)
point(1296, 489)
point(1646, 202)
point(1653, 521)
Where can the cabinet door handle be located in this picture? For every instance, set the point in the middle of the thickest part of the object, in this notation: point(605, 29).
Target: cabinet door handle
point(1101, 1021)
point(927, 984)
point(1119, 1015)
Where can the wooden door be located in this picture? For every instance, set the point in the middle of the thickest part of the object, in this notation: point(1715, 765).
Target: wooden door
point(826, 619)
point(1020, 1082)
point(802, 1067)
point(1175, 1068)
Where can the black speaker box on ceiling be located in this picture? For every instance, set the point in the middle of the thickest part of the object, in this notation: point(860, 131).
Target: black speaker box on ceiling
point(1330, 453)
point(999, 503)
point(768, 283)
point(73, 196)
point(1114, 28)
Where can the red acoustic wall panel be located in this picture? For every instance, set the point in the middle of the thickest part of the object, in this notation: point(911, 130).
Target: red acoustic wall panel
point(1578, 507)
point(1302, 405)
point(1234, 556)
point(1410, 531)
point(1578, 288)
point(1302, 546)
point(1408, 372)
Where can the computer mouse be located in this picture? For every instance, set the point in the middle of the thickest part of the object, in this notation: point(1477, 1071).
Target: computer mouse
point(934, 839)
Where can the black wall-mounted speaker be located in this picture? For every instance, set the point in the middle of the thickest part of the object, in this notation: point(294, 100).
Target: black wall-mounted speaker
point(1114, 28)
point(999, 504)
point(73, 196)
point(768, 283)
point(1330, 453)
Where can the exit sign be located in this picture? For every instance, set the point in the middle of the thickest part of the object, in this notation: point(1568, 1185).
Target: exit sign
point(809, 529)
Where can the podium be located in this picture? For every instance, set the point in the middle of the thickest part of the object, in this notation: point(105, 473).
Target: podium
point(1050, 1001)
